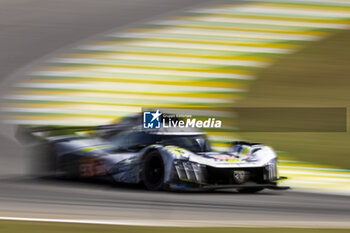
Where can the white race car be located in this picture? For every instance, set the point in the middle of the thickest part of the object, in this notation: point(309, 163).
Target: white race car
point(172, 159)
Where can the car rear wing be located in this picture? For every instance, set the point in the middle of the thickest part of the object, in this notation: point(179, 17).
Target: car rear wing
point(30, 134)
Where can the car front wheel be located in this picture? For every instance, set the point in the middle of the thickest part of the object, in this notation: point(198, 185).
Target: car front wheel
point(153, 171)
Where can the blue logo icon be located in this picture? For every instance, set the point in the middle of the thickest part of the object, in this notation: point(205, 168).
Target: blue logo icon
point(152, 120)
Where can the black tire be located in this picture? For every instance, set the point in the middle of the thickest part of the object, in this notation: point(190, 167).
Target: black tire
point(153, 171)
point(250, 190)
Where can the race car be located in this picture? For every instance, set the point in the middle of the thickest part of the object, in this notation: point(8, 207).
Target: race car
point(160, 159)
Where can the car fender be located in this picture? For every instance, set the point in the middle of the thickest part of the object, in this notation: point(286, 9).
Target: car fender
point(168, 154)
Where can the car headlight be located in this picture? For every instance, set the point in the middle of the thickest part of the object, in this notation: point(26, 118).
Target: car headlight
point(271, 168)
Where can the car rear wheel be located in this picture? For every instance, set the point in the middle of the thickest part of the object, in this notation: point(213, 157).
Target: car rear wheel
point(250, 190)
point(153, 171)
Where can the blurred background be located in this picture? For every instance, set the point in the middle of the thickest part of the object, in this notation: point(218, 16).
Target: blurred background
point(87, 63)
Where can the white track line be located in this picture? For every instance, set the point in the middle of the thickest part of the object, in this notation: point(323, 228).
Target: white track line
point(253, 49)
point(301, 172)
point(295, 11)
point(276, 10)
point(272, 22)
point(116, 99)
point(189, 223)
point(78, 122)
point(210, 32)
point(239, 34)
point(122, 70)
point(134, 87)
point(258, 23)
point(207, 38)
point(95, 110)
point(308, 1)
point(113, 59)
point(194, 46)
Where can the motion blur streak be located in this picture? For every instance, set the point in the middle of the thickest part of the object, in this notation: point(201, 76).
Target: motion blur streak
point(173, 53)
point(182, 223)
point(315, 178)
point(59, 200)
point(203, 59)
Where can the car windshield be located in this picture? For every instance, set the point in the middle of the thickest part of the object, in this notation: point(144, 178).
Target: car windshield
point(138, 140)
point(194, 143)
point(131, 140)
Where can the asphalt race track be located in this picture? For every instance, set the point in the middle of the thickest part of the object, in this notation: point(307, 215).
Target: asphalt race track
point(45, 198)
point(32, 29)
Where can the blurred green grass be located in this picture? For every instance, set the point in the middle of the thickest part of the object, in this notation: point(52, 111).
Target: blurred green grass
point(316, 76)
point(37, 227)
